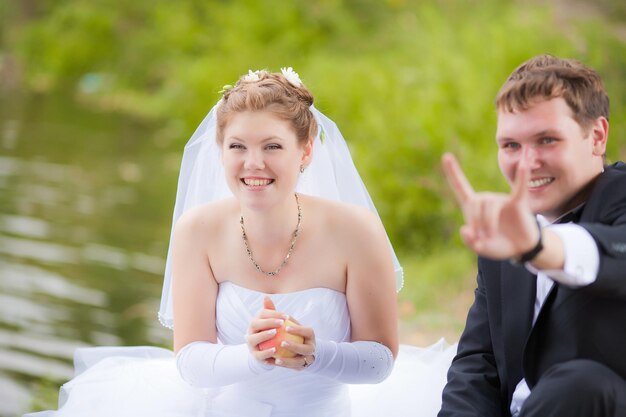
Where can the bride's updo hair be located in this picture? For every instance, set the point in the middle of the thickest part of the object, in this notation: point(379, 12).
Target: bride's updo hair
point(271, 92)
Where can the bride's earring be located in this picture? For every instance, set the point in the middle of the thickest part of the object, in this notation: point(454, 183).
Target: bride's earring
point(302, 169)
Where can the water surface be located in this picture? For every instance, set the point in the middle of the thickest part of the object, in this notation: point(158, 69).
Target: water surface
point(85, 208)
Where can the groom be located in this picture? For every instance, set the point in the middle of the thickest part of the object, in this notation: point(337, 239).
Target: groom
point(546, 335)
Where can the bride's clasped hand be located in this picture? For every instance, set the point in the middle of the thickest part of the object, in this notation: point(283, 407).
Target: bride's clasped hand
point(281, 337)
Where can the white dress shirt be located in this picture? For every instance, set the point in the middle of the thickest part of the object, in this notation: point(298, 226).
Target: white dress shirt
point(582, 261)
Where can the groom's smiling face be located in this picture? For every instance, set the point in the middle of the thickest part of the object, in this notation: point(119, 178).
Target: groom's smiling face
point(565, 157)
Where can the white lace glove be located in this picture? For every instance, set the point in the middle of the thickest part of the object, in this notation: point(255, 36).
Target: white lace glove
point(358, 362)
point(204, 364)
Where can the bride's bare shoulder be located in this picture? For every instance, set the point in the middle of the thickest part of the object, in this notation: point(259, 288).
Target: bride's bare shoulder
point(207, 216)
point(350, 218)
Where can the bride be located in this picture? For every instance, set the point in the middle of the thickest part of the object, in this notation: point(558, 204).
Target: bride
point(280, 282)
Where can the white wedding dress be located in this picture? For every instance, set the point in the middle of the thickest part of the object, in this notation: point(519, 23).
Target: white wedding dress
point(143, 381)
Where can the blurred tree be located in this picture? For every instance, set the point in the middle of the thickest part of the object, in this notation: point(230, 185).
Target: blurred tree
point(405, 80)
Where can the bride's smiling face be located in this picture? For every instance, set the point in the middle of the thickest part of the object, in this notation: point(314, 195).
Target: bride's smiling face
point(262, 158)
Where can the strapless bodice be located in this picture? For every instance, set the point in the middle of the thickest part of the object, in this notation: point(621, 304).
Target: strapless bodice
point(283, 392)
point(323, 309)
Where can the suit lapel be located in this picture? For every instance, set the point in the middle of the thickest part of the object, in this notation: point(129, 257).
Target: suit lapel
point(519, 290)
point(553, 299)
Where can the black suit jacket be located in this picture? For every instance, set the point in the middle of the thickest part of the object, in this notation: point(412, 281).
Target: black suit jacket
point(499, 345)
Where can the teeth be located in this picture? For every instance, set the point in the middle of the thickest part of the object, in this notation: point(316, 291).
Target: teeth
point(256, 182)
point(539, 182)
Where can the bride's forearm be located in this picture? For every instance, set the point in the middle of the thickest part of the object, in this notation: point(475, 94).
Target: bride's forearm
point(360, 362)
point(204, 364)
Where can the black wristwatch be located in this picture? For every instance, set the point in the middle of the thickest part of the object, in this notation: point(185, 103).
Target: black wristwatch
point(531, 254)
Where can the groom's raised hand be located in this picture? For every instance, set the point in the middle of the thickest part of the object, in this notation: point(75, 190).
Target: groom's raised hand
point(497, 225)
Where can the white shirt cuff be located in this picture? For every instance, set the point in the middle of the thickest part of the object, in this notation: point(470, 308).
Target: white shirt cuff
point(582, 259)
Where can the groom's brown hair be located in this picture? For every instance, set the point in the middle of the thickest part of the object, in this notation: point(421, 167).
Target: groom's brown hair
point(546, 77)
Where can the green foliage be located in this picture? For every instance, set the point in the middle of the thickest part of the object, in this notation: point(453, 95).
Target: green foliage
point(45, 394)
point(430, 280)
point(404, 80)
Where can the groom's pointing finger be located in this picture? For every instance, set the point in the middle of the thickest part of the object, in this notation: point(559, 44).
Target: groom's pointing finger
point(457, 180)
point(522, 176)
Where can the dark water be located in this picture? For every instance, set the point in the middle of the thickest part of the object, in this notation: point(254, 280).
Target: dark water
point(85, 209)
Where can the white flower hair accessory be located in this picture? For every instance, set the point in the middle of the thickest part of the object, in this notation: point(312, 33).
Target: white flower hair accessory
point(291, 76)
point(252, 75)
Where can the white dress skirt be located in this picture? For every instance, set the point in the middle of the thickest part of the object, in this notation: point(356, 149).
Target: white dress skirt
point(144, 381)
